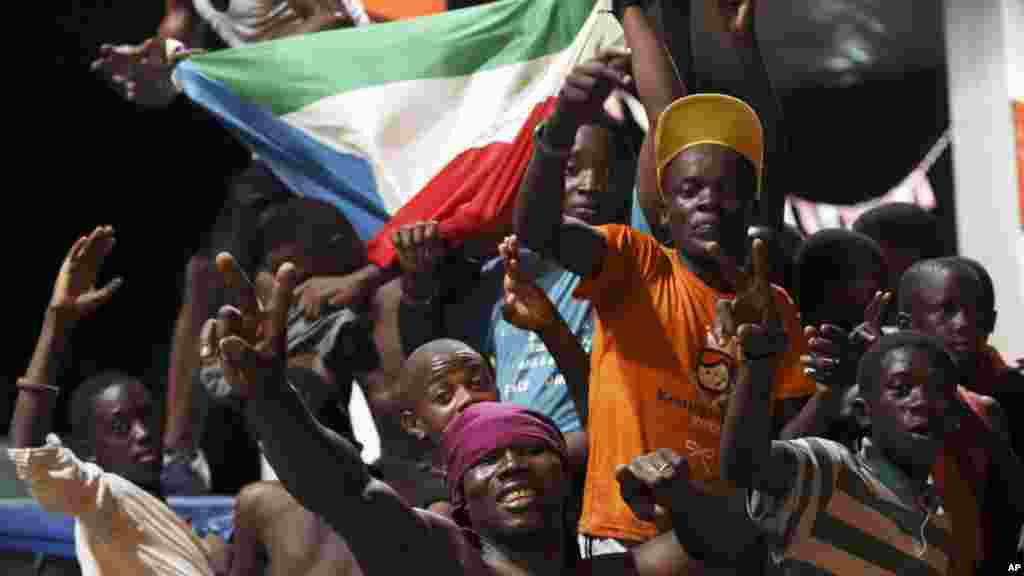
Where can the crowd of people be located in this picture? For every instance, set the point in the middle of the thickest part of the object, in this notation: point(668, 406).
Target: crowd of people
point(708, 393)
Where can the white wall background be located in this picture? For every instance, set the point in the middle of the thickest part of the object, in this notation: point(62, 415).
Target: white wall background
point(985, 54)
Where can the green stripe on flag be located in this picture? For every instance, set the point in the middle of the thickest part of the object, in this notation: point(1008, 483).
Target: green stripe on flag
point(289, 74)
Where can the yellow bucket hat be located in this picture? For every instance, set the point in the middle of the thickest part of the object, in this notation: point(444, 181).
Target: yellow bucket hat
point(709, 119)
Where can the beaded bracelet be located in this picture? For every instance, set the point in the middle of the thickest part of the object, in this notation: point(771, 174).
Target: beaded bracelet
point(23, 384)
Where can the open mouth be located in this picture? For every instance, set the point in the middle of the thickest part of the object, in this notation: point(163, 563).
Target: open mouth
point(146, 457)
point(517, 498)
point(706, 230)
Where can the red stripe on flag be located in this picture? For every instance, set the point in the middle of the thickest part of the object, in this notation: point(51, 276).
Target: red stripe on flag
point(472, 196)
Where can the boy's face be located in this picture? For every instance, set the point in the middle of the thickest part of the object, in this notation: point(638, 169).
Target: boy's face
point(909, 409)
point(125, 433)
point(446, 383)
point(945, 305)
point(587, 178)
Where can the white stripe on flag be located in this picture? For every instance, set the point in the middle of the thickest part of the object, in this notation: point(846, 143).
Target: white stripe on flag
point(409, 131)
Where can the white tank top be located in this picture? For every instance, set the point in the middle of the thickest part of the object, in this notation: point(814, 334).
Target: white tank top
point(248, 21)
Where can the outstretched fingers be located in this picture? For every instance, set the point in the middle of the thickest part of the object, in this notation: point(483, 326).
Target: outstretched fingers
point(280, 301)
point(236, 279)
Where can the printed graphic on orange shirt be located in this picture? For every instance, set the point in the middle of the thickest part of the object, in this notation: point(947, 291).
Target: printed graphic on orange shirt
point(713, 379)
point(715, 374)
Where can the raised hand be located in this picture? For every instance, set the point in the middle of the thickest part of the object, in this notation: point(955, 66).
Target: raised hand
point(736, 19)
point(865, 334)
point(75, 295)
point(833, 353)
point(420, 249)
point(582, 98)
point(248, 319)
point(654, 481)
point(141, 73)
point(753, 315)
point(251, 341)
point(525, 306)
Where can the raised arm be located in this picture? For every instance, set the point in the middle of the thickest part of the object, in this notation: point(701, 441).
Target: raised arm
point(74, 298)
point(420, 251)
point(538, 213)
point(740, 26)
point(746, 447)
point(322, 470)
point(179, 436)
point(658, 85)
point(526, 306)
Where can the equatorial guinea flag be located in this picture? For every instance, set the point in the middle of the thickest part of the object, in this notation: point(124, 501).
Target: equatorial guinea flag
point(429, 118)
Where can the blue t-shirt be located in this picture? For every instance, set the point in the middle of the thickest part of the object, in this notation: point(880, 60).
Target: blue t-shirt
point(637, 220)
point(526, 371)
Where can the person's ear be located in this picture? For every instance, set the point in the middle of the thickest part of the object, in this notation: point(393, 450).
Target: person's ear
point(413, 425)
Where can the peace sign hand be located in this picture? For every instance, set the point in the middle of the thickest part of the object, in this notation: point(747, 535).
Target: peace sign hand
point(251, 342)
point(248, 320)
point(753, 315)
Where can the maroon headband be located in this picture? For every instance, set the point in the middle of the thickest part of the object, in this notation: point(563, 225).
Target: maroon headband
point(485, 427)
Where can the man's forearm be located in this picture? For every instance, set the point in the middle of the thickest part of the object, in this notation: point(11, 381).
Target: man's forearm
point(675, 29)
point(322, 470)
point(185, 354)
point(762, 96)
point(815, 417)
point(747, 433)
point(538, 211)
point(657, 82)
point(33, 409)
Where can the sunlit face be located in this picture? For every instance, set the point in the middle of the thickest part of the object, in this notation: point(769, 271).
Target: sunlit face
point(125, 433)
point(909, 409)
point(708, 194)
point(587, 177)
point(449, 382)
point(516, 490)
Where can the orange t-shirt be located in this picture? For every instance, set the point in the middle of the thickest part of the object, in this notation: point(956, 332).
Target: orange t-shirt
point(648, 386)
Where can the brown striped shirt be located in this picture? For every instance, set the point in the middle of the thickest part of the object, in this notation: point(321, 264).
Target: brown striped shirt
point(851, 514)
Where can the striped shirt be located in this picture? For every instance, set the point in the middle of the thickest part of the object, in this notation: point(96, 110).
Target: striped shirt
point(851, 514)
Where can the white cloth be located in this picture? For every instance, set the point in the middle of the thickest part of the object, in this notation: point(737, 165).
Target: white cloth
point(248, 21)
point(120, 529)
